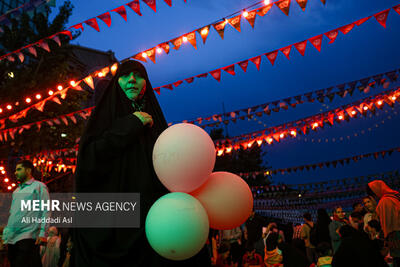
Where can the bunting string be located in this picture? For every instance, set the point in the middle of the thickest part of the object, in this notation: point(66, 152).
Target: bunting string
point(216, 74)
point(92, 22)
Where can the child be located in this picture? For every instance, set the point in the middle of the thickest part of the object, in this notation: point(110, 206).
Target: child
point(251, 258)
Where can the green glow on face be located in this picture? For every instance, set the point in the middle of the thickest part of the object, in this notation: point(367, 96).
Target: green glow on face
point(133, 85)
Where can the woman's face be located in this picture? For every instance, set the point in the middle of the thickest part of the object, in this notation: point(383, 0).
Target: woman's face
point(133, 85)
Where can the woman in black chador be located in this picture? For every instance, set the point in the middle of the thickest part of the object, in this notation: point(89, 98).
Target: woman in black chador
point(115, 155)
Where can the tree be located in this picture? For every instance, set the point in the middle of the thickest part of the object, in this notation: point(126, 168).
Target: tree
point(241, 161)
point(45, 71)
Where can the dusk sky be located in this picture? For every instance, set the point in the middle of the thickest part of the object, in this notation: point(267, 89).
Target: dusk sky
point(367, 50)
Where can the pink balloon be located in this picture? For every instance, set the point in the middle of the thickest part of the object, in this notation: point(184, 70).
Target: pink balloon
point(183, 157)
point(227, 199)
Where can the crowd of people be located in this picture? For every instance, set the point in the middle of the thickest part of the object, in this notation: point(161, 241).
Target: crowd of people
point(368, 237)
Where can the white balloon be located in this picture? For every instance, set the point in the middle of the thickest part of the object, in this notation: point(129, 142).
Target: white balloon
point(183, 157)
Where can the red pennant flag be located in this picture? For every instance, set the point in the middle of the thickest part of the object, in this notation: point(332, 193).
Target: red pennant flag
point(284, 5)
point(330, 118)
point(57, 40)
point(276, 136)
point(165, 47)
point(32, 50)
point(286, 51)
point(176, 84)
point(204, 33)
point(20, 56)
point(121, 11)
point(45, 46)
point(66, 32)
point(203, 75)
point(251, 17)
point(140, 57)
point(189, 80)
point(93, 23)
point(301, 47)
point(381, 17)
point(361, 21)
point(264, 10)
point(135, 6)
point(272, 56)
point(168, 86)
point(397, 9)
point(157, 89)
point(256, 61)
point(77, 26)
point(177, 42)
point(235, 22)
point(230, 69)
point(151, 3)
point(351, 111)
point(72, 118)
point(216, 74)
point(220, 28)
point(191, 37)
point(332, 35)
point(347, 28)
point(151, 53)
point(106, 18)
point(64, 119)
point(316, 41)
point(302, 4)
point(169, 2)
point(323, 2)
point(244, 65)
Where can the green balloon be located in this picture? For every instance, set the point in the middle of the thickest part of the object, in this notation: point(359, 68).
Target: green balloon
point(177, 226)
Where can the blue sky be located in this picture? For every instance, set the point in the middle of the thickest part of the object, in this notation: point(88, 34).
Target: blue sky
point(366, 50)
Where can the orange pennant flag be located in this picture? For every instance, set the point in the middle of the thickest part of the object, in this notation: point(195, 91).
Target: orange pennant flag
point(264, 10)
point(235, 22)
point(284, 6)
point(302, 4)
point(177, 42)
point(251, 17)
point(191, 37)
point(220, 28)
point(204, 33)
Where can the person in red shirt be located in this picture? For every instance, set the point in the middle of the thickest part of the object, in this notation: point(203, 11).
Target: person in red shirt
point(251, 258)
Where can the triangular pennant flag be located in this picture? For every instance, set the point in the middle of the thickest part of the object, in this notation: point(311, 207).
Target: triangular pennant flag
point(66, 32)
point(20, 56)
point(57, 40)
point(64, 119)
point(139, 57)
point(135, 6)
point(89, 81)
point(177, 42)
point(381, 17)
point(204, 33)
point(72, 118)
point(316, 41)
point(361, 21)
point(168, 86)
point(256, 61)
point(332, 35)
point(55, 99)
point(230, 69)
point(165, 47)
point(397, 9)
point(45, 46)
point(264, 10)
point(151, 53)
point(220, 28)
point(151, 4)
point(244, 65)
point(272, 56)
point(323, 2)
point(235, 22)
point(176, 84)
point(93, 23)
point(191, 37)
point(189, 80)
point(121, 11)
point(203, 75)
point(251, 17)
point(302, 4)
point(106, 18)
point(77, 26)
point(157, 89)
point(284, 5)
point(347, 28)
point(286, 51)
point(216, 74)
point(32, 50)
point(169, 2)
point(301, 47)
point(39, 106)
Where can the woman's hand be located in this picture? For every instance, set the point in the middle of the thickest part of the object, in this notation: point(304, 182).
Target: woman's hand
point(145, 118)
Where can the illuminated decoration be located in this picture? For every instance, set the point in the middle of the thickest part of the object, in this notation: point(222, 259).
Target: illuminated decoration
point(59, 88)
point(51, 92)
point(9, 187)
point(6, 180)
point(28, 100)
point(38, 96)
